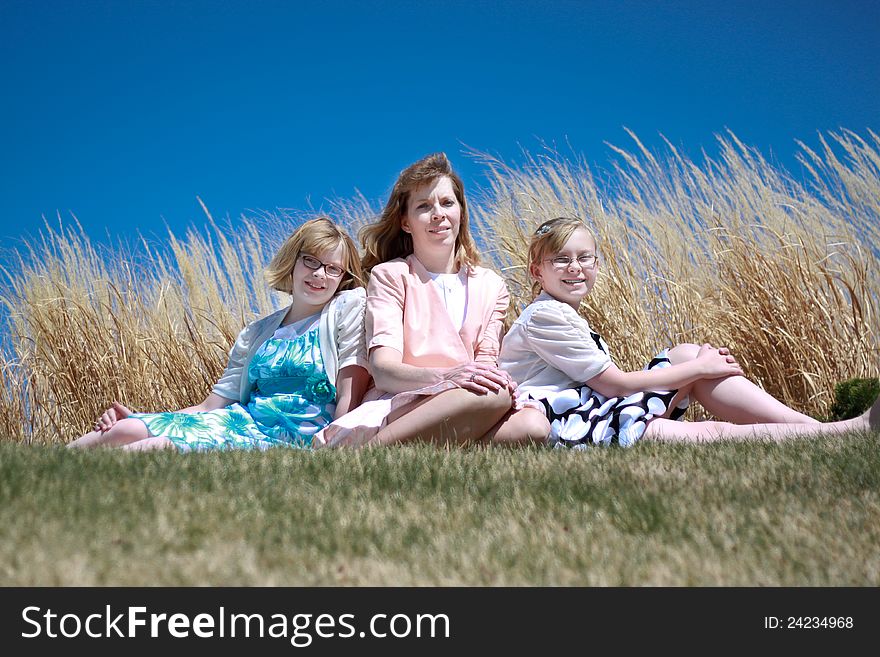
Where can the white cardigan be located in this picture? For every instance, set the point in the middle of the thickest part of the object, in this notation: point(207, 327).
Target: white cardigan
point(340, 335)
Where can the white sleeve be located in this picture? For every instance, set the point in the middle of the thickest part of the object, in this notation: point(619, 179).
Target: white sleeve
point(229, 384)
point(562, 338)
point(350, 337)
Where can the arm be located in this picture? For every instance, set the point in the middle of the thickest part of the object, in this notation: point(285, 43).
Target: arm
point(490, 342)
point(385, 336)
point(210, 403)
point(562, 338)
point(351, 384)
point(710, 363)
point(352, 378)
point(393, 375)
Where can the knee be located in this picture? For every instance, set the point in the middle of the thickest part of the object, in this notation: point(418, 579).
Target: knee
point(683, 352)
point(524, 427)
point(129, 426)
point(532, 426)
point(125, 431)
point(502, 400)
point(496, 403)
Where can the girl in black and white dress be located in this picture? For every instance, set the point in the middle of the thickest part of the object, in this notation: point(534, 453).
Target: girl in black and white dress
point(565, 369)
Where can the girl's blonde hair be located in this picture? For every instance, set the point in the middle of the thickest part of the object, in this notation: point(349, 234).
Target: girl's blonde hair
point(313, 238)
point(549, 238)
point(385, 240)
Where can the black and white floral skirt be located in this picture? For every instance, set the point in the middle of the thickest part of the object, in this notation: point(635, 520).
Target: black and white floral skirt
point(581, 417)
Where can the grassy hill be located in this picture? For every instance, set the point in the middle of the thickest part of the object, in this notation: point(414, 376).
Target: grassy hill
point(804, 513)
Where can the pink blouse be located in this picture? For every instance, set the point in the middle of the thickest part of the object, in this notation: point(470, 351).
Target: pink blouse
point(405, 312)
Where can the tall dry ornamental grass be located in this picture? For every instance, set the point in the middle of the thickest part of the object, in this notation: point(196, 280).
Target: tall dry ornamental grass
point(732, 250)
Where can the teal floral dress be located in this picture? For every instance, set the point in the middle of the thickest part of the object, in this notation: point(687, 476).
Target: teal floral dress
point(292, 400)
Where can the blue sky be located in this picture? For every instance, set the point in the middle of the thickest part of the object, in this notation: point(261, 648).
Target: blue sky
point(123, 112)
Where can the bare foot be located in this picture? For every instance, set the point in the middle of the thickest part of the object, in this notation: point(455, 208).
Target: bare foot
point(874, 416)
point(870, 419)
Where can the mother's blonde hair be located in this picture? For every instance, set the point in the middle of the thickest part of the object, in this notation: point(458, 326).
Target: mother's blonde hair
point(313, 238)
point(385, 240)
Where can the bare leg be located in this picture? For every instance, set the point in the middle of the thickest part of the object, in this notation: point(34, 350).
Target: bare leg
point(91, 439)
point(666, 430)
point(451, 417)
point(735, 398)
point(123, 432)
point(149, 444)
point(527, 426)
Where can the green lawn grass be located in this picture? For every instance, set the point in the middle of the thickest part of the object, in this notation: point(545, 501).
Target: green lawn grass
point(800, 513)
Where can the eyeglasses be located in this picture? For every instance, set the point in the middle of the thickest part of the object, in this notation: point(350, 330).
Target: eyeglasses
point(585, 260)
point(333, 271)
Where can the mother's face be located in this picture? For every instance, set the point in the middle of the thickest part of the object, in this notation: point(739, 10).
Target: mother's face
point(432, 216)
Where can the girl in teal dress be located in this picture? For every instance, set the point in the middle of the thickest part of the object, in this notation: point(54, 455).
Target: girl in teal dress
point(289, 374)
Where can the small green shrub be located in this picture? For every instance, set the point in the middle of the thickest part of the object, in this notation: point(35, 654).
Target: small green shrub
point(853, 397)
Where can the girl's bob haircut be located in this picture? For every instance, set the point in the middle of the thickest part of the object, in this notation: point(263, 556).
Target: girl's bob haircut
point(313, 238)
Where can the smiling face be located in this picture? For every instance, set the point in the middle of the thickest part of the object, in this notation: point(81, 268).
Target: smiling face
point(313, 288)
point(432, 217)
point(568, 283)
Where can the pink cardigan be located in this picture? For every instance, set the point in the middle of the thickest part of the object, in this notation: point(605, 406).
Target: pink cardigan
point(405, 312)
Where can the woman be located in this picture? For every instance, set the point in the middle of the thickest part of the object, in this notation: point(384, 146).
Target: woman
point(289, 374)
point(433, 323)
